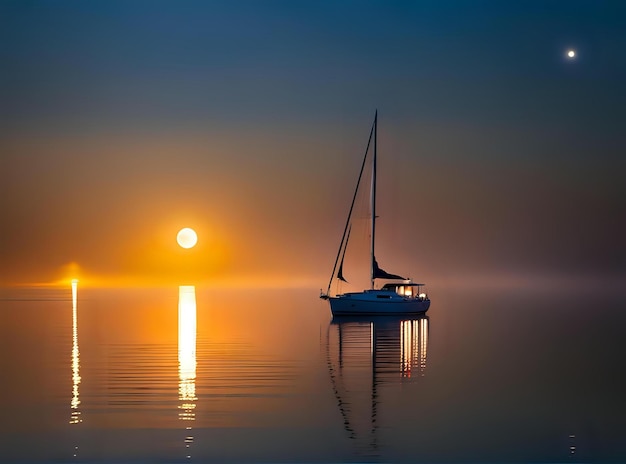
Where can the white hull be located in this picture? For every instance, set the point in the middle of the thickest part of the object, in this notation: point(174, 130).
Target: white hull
point(376, 302)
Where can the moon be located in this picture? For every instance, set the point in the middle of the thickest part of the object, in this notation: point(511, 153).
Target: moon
point(187, 238)
point(571, 54)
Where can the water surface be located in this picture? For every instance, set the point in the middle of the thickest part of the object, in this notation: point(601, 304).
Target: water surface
point(185, 373)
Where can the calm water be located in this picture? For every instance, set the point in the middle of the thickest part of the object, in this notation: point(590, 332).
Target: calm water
point(193, 374)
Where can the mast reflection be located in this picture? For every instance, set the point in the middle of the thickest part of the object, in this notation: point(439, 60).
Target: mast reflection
point(187, 357)
point(366, 354)
point(75, 416)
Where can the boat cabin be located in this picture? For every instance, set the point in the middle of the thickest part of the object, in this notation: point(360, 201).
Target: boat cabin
point(409, 290)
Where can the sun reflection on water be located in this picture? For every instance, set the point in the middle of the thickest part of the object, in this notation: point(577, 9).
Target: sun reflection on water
point(187, 357)
point(75, 416)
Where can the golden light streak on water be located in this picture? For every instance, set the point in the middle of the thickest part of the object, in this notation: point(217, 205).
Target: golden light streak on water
point(75, 416)
point(187, 358)
point(423, 343)
point(405, 349)
point(187, 351)
point(414, 343)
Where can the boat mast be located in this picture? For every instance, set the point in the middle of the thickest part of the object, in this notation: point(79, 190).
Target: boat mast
point(373, 199)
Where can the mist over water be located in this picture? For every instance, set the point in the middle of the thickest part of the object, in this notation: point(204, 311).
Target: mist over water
point(191, 373)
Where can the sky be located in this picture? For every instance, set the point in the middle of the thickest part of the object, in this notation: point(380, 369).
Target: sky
point(123, 121)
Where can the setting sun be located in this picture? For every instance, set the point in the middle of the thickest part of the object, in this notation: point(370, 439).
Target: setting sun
point(187, 238)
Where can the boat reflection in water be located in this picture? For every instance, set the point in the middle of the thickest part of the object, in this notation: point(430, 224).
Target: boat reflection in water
point(187, 358)
point(365, 356)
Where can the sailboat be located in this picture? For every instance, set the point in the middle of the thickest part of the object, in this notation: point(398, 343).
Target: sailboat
point(398, 295)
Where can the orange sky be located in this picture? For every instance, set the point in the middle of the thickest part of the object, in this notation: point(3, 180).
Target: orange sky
point(113, 205)
point(270, 207)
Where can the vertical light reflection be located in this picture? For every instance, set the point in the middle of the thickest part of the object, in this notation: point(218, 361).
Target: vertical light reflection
point(187, 358)
point(424, 342)
point(75, 402)
point(187, 351)
point(413, 345)
point(406, 348)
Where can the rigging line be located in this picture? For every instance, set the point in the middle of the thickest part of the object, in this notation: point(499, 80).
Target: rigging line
point(345, 230)
point(343, 256)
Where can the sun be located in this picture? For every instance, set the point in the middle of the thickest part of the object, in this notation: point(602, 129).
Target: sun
point(187, 238)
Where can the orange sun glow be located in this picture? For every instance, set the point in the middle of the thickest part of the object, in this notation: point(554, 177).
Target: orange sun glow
point(187, 238)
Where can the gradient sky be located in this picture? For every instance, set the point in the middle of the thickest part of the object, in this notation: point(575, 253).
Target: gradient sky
point(123, 121)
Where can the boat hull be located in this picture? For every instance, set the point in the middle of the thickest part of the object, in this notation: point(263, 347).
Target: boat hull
point(359, 304)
